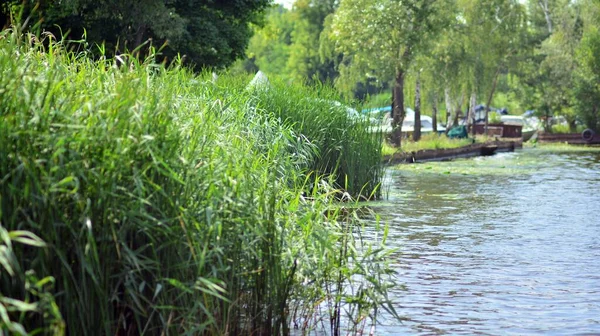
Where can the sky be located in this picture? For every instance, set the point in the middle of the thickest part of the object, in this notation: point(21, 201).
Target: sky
point(285, 3)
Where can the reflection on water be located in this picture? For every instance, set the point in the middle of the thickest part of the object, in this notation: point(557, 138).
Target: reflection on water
point(508, 244)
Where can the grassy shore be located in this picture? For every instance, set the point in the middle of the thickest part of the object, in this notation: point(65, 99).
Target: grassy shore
point(139, 199)
point(428, 141)
point(561, 147)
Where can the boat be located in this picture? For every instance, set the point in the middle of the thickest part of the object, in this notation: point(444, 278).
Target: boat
point(382, 122)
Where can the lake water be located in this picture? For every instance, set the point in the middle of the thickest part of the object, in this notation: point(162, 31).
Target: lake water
point(507, 244)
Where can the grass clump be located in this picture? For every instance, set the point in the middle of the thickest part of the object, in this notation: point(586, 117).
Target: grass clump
point(347, 151)
point(168, 204)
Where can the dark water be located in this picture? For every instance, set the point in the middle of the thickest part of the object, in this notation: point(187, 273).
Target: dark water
point(502, 245)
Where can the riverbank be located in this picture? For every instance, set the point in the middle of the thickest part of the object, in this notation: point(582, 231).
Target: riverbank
point(142, 199)
point(471, 150)
point(570, 138)
point(561, 147)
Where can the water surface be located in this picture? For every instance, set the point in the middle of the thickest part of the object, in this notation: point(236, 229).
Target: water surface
point(508, 244)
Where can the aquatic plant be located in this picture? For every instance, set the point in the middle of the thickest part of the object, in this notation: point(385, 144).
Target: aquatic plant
point(169, 204)
point(346, 149)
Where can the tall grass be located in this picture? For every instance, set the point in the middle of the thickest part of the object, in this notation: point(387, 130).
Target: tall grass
point(342, 146)
point(168, 204)
point(347, 151)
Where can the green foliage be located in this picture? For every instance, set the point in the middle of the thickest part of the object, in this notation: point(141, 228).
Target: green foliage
point(381, 39)
point(378, 100)
point(565, 128)
point(549, 70)
point(427, 141)
point(523, 55)
point(306, 61)
point(31, 299)
point(7, 9)
point(491, 36)
point(269, 48)
point(494, 118)
point(171, 204)
point(346, 148)
point(508, 100)
point(383, 36)
point(553, 78)
point(587, 88)
point(288, 44)
point(208, 33)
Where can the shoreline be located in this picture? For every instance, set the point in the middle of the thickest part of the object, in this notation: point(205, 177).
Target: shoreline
point(472, 150)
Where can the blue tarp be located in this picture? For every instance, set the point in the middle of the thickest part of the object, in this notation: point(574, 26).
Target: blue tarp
point(377, 109)
point(458, 132)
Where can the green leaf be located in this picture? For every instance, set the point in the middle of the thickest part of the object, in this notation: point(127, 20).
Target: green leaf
point(27, 238)
point(17, 305)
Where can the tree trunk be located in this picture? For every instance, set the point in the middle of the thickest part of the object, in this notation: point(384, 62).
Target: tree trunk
point(471, 114)
point(547, 127)
point(434, 113)
point(449, 109)
point(417, 130)
point(489, 101)
point(398, 111)
point(595, 120)
point(546, 9)
point(458, 113)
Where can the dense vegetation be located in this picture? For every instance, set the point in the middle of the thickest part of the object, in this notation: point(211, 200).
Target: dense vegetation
point(540, 55)
point(206, 33)
point(428, 141)
point(524, 55)
point(138, 194)
point(136, 198)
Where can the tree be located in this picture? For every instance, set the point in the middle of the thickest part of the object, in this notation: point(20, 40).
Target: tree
point(270, 44)
point(544, 76)
point(288, 45)
point(208, 33)
point(382, 38)
point(557, 69)
point(446, 68)
point(496, 31)
point(417, 127)
point(587, 81)
point(306, 62)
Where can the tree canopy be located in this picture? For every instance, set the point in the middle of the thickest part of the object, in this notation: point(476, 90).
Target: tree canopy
point(288, 43)
point(539, 55)
point(383, 38)
point(207, 33)
point(523, 54)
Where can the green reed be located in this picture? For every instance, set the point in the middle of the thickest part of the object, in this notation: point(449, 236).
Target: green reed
point(166, 204)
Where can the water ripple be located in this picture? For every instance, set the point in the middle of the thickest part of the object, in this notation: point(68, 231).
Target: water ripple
point(496, 253)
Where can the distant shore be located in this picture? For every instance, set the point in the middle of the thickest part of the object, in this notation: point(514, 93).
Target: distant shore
point(471, 150)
